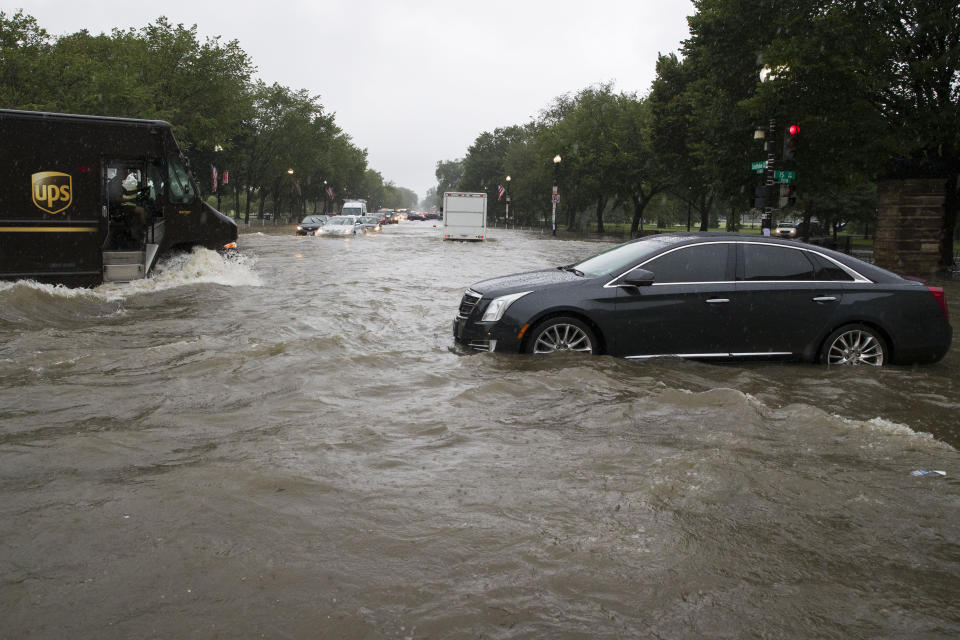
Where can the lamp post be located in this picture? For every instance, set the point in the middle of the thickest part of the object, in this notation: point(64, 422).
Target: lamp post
point(290, 173)
point(508, 200)
point(326, 197)
point(556, 194)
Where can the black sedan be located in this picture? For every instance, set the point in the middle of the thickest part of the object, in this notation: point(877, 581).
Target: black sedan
point(711, 296)
point(310, 224)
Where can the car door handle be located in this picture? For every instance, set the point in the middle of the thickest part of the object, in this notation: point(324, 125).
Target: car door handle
point(825, 299)
point(717, 300)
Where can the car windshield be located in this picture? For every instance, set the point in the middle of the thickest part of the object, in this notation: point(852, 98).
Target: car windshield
point(341, 220)
point(311, 219)
point(622, 256)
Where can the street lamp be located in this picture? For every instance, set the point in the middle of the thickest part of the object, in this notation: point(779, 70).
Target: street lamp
point(556, 194)
point(508, 199)
point(290, 173)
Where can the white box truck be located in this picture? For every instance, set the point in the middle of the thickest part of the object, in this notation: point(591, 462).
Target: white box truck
point(464, 215)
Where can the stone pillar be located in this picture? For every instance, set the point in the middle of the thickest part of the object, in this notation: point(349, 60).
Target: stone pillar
point(909, 219)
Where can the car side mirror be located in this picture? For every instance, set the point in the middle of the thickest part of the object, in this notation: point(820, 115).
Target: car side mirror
point(638, 278)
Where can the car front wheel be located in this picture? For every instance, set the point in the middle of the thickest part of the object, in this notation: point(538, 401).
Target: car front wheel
point(562, 334)
point(854, 344)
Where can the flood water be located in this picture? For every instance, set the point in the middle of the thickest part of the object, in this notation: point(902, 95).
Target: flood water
point(287, 445)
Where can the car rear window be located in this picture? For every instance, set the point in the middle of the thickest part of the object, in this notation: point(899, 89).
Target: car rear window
point(827, 270)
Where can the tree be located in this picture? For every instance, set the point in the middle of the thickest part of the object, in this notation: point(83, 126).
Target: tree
point(24, 51)
point(449, 174)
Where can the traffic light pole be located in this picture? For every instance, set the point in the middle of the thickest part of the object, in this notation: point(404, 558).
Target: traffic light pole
point(767, 221)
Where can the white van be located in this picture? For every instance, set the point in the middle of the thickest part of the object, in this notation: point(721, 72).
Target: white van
point(354, 208)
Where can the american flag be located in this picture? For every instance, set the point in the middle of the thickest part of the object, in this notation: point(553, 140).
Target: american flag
point(500, 192)
point(330, 192)
point(213, 177)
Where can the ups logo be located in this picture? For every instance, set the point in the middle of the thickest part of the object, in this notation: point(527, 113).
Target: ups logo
point(52, 190)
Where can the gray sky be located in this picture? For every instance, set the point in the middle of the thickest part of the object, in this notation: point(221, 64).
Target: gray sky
point(410, 80)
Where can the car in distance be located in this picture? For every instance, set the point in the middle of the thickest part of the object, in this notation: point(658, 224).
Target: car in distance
point(711, 296)
point(388, 216)
point(310, 224)
point(786, 230)
point(370, 223)
point(341, 226)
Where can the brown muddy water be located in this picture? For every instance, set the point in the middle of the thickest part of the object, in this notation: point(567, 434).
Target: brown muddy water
point(287, 445)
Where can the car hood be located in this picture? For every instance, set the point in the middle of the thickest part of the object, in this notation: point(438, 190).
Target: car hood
point(527, 281)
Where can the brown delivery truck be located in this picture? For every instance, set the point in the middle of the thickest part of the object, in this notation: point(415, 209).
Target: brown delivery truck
point(90, 199)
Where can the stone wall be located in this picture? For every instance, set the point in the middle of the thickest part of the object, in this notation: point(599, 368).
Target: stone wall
point(909, 219)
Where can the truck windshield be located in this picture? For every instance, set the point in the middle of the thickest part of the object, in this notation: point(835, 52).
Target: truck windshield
point(181, 189)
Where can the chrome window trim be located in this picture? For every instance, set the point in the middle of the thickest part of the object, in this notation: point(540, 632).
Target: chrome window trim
point(612, 284)
point(858, 278)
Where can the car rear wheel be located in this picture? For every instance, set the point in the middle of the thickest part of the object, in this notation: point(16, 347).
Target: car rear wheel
point(562, 334)
point(854, 344)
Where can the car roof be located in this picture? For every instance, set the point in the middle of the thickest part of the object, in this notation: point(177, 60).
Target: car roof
point(695, 237)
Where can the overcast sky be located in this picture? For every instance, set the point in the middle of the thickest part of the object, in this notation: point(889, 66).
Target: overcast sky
point(411, 80)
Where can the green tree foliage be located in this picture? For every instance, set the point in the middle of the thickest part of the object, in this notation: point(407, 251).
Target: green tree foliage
point(24, 49)
point(873, 84)
point(204, 89)
point(449, 174)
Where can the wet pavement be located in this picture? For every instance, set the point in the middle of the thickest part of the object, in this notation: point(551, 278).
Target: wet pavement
point(288, 445)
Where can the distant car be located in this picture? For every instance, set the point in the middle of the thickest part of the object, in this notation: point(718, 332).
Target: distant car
point(711, 296)
point(370, 223)
point(341, 226)
point(415, 215)
point(388, 216)
point(786, 230)
point(310, 224)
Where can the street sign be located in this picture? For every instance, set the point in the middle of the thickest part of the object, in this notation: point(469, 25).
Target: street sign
point(785, 176)
point(759, 164)
point(556, 197)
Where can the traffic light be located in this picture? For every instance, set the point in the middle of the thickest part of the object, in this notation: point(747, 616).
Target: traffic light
point(791, 138)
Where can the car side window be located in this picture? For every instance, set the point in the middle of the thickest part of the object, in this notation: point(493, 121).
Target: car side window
point(828, 271)
point(699, 263)
point(773, 262)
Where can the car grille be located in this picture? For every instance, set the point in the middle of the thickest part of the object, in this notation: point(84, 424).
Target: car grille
point(467, 304)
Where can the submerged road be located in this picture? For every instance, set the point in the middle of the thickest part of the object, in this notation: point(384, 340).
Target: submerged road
point(288, 445)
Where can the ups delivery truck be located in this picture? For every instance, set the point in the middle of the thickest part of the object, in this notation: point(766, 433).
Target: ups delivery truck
point(89, 199)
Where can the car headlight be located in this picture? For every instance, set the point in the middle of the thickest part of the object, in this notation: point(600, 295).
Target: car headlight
point(498, 306)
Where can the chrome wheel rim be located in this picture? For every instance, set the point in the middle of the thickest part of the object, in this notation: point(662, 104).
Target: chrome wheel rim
point(856, 347)
point(563, 337)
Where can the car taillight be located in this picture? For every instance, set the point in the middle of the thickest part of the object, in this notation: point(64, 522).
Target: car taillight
point(941, 300)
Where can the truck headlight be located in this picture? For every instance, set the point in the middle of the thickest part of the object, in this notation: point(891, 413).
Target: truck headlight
point(498, 306)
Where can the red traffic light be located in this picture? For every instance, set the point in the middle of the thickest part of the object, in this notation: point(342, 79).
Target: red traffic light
point(793, 129)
